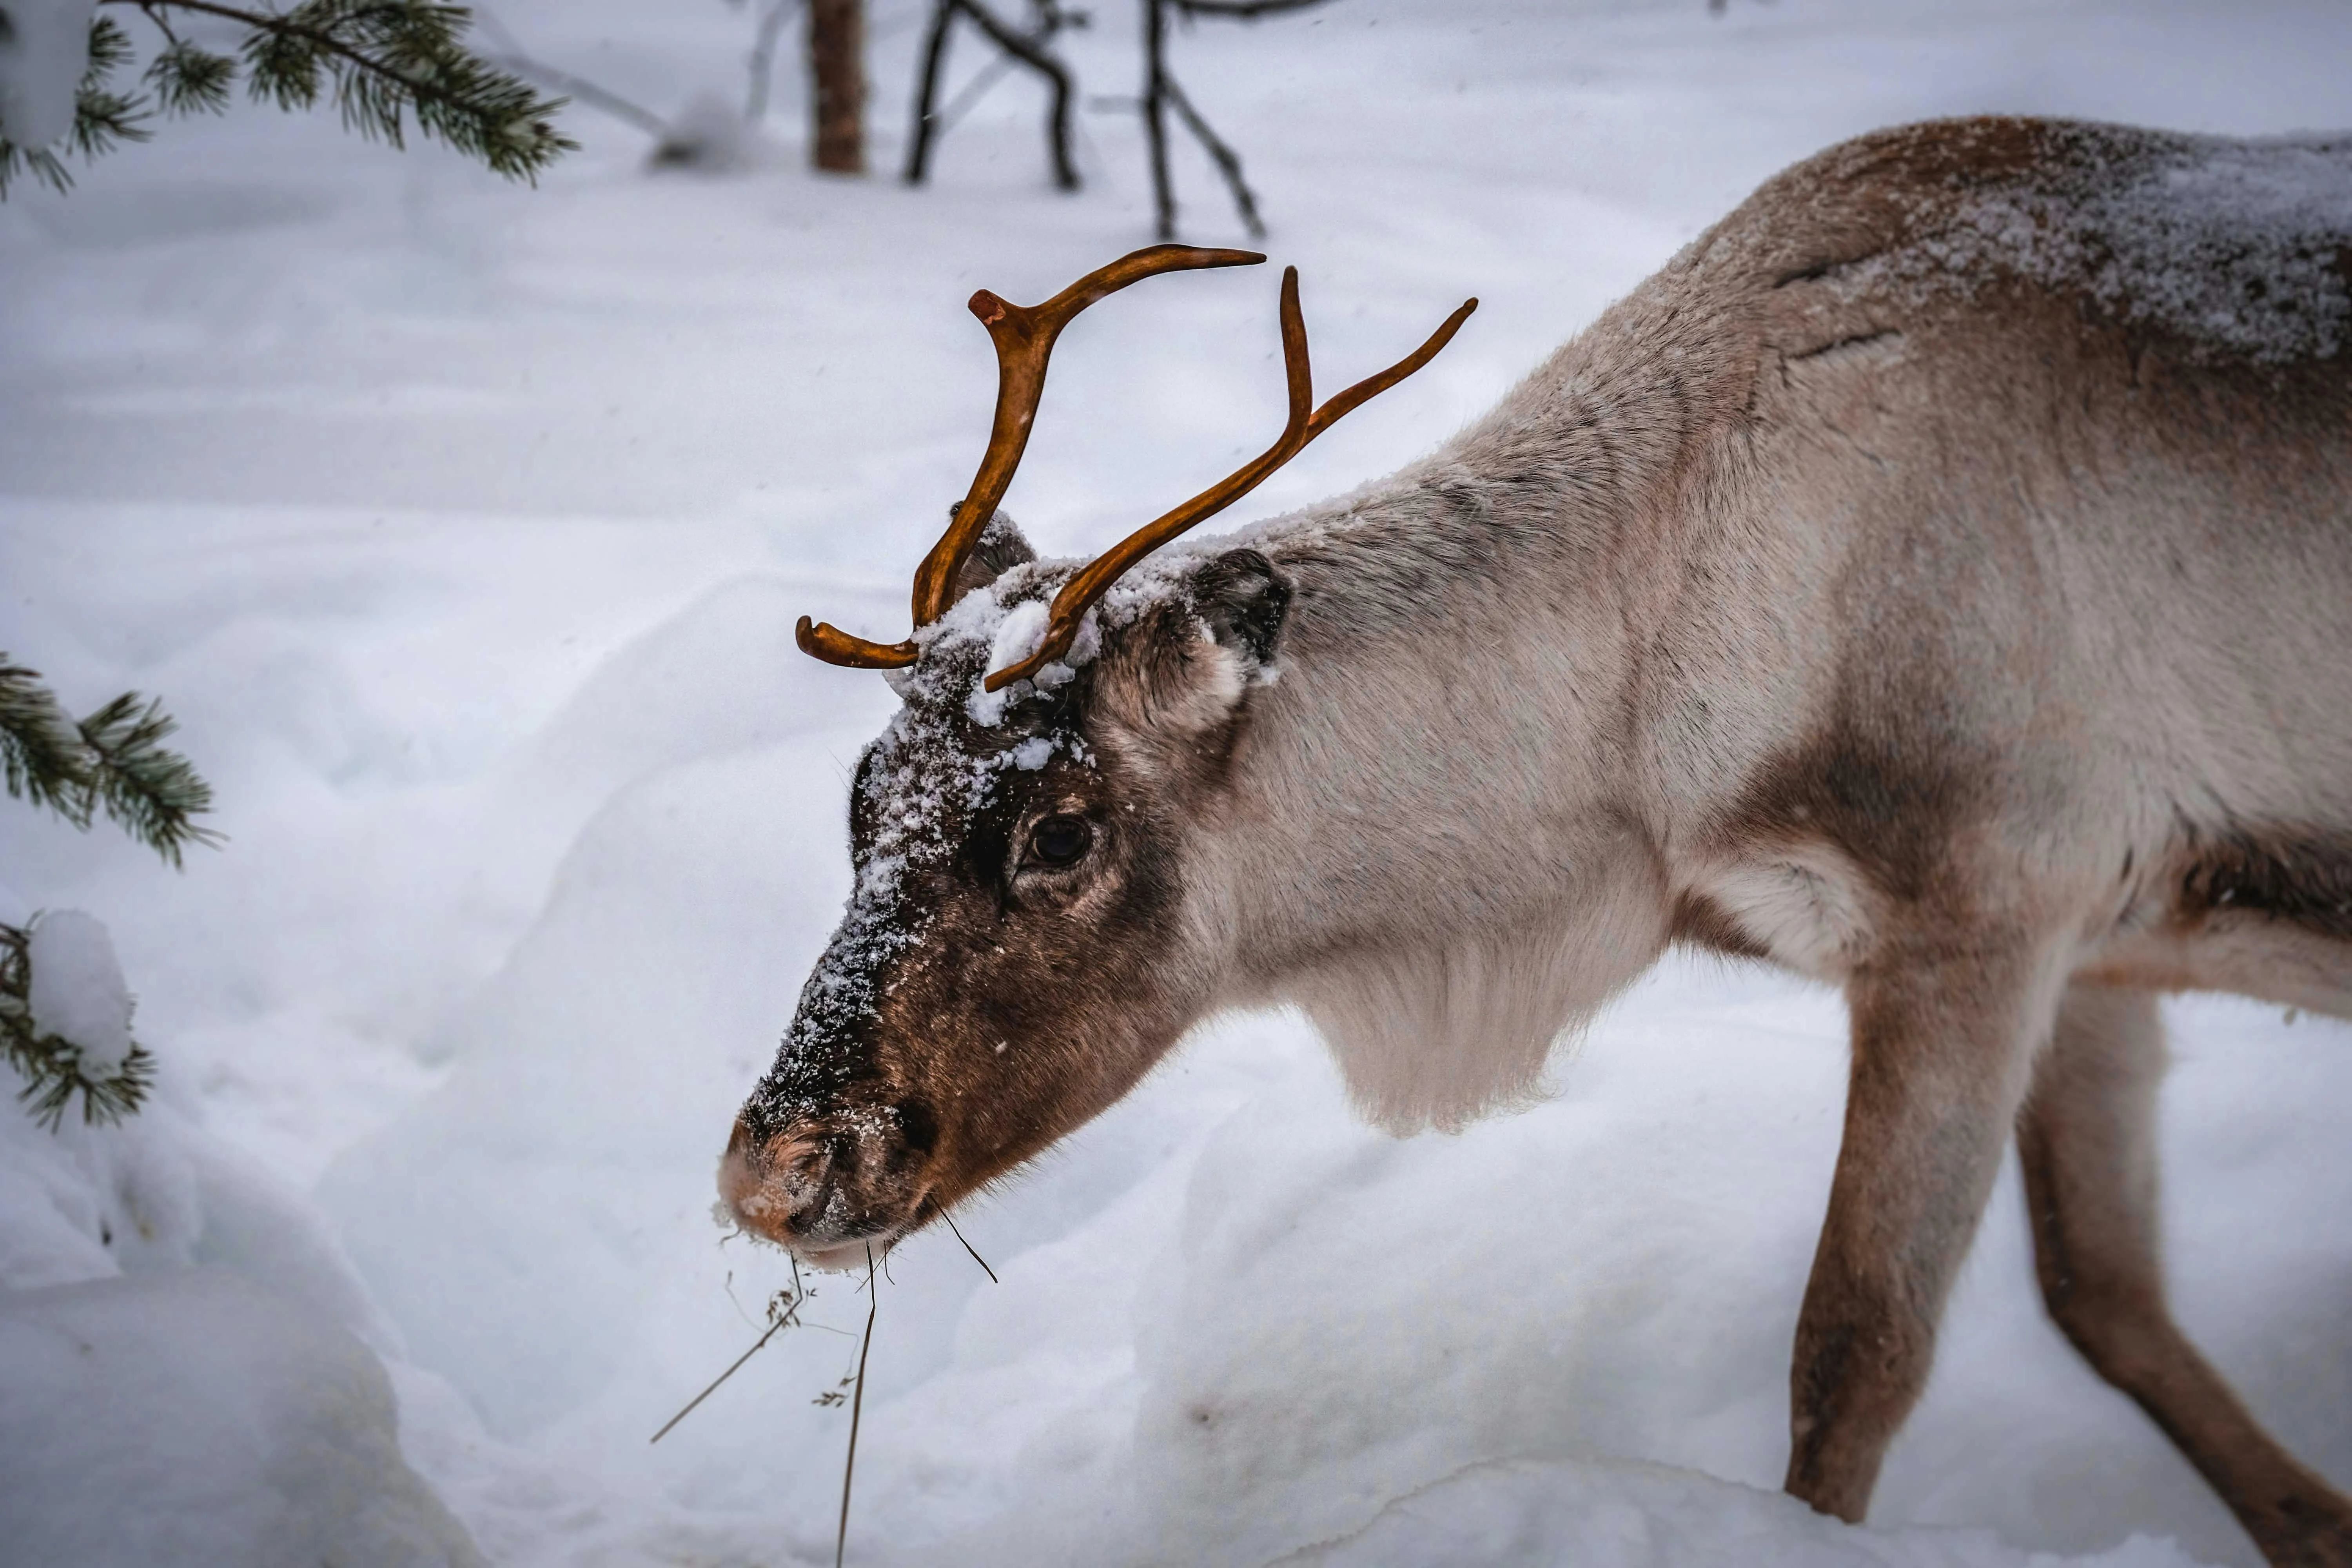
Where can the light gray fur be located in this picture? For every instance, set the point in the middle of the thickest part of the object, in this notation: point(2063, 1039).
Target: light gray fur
point(1525, 685)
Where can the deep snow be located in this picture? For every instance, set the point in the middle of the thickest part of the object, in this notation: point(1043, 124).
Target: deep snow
point(464, 527)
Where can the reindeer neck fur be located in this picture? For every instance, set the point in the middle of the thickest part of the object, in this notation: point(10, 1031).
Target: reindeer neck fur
point(1597, 672)
point(1435, 839)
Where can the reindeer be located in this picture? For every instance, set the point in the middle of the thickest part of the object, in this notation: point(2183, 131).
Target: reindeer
point(1938, 579)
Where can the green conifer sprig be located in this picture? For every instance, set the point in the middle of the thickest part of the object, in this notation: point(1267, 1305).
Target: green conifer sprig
point(388, 65)
point(51, 1065)
point(189, 81)
point(151, 791)
point(41, 749)
point(113, 760)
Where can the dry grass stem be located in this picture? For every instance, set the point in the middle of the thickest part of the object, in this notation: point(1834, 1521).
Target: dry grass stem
point(783, 1312)
point(856, 1409)
point(968, 1246)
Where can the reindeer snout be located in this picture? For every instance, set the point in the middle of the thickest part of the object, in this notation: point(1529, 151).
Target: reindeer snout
point(824, 1186)
point(765, 1182)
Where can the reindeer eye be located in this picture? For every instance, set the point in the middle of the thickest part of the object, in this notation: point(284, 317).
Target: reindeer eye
point(1060, 841)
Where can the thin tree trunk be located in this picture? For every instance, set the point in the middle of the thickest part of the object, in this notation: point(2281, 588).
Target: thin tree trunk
point(1228, 162)
point(836, 50)
point(1030, 52)
point(926, 93)
point(763, 58)
point(1155, 113)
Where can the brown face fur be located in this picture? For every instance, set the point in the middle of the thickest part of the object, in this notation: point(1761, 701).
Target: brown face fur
point(1014, 957)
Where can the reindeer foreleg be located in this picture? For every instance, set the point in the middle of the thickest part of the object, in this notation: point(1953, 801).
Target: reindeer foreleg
point(2087, 1139)
point(1943, 1035)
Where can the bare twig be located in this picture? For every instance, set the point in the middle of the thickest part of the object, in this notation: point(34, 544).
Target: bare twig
point(967, 95)
point(856, 1409)
point(512, 57)
point(1161, 93)
point(1241, 10)
point(783, 1312)
point(736, 1366)
point(968, 1246)
point(582, 91)
point(1155, 114)
point(763, 58)
point(1228, 162)
point(927, 88)
point(1026, 48)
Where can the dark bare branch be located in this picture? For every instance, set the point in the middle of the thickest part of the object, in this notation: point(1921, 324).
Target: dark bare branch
point(1025, 48)
point(1228, 162)
point(1242, 10)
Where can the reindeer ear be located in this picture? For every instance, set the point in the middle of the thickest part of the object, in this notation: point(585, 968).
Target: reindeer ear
point(1000, 549)
point(1244, 600)
point(1165, 683)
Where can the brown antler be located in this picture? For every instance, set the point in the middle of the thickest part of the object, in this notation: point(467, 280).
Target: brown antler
point(1079, 593)
point(1023, 335)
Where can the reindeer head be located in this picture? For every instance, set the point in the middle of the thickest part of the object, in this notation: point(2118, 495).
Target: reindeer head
point(1018, 950)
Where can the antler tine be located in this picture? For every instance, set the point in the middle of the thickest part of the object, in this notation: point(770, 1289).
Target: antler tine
point(1080, 593)
point(1024, 336)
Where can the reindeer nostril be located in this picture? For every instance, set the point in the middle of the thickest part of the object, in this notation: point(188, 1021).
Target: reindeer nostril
point(918, 1125)
point(799, 1161)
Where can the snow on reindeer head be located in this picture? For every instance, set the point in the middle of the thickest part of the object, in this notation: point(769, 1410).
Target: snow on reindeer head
point(1015, 953)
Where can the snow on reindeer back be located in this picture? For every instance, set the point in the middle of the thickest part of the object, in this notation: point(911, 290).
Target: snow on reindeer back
point(2241, 249)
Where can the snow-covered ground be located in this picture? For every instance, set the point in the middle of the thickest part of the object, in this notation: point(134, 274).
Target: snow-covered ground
point(464, 527)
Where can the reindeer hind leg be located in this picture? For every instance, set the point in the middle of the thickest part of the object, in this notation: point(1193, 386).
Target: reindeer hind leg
point(2087, 1139)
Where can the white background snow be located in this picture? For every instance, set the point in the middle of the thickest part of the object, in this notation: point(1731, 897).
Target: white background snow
point(464, 526)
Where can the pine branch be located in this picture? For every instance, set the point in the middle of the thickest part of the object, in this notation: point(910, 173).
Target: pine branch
point(388, 59)
point(41, 751)
point(114, 759)
point(187, 79)
point(51, 1065)
point(390, 66)
point(150, 792)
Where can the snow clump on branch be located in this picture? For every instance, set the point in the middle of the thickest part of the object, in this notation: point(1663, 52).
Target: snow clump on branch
point(44, 49)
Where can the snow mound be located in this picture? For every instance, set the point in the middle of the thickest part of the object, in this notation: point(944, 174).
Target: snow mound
point(191, 1364)
point(195, 1418)
point(568, 1159)
point(1647, 1516)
